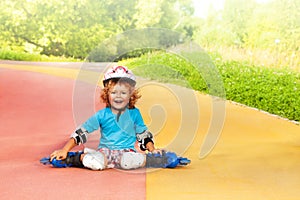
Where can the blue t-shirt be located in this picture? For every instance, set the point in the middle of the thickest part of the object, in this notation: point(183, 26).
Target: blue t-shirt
point(116, 135)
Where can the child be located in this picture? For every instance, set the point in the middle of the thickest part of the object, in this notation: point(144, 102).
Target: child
point(121, 125)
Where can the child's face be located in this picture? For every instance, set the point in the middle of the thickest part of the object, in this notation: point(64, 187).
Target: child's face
point(119, 97)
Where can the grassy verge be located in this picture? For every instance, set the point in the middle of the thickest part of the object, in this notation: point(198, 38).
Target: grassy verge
point(22, 56)
point(276, 91)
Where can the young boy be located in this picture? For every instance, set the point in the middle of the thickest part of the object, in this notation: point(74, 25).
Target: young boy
point(121, 125)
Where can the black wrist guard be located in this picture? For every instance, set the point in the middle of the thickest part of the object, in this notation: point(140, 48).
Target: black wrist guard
point(144, 138)
point(80, 136)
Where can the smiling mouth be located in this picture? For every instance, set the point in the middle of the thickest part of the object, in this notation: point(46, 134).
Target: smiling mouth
point(118, 101)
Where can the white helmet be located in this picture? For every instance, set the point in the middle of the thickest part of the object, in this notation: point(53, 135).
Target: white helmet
point(119, 72)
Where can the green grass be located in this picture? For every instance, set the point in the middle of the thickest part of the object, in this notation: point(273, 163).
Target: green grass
point(276, 91)
point(23, 56)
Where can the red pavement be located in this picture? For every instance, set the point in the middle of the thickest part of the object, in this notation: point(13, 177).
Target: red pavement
point(35, 119)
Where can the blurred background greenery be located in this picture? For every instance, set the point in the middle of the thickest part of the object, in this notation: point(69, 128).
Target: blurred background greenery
point(261, 32)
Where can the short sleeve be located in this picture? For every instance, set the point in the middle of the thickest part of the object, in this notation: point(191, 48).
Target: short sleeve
point(139, 122)
point(92, 124)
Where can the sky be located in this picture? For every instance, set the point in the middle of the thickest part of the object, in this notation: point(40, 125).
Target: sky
point(202, 6)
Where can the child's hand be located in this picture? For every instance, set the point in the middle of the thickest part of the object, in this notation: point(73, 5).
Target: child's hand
point(157, 151)
point(59, 154)
point(151, 148)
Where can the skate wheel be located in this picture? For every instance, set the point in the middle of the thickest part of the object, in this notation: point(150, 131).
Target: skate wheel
point(45, 161)
point(184, 161)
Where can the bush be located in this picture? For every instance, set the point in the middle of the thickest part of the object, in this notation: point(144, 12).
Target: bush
point(276, 91)
point(12, 55)
point(23, 56)
point(166, 68)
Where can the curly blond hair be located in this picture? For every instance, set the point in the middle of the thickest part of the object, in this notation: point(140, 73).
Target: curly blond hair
point(106, 90)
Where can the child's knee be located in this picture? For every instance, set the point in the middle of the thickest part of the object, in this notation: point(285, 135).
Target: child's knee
point(132, 160)
point(94, 160)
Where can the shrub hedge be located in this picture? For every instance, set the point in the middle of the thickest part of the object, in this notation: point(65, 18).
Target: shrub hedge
point(276, 91)
point(23, 56)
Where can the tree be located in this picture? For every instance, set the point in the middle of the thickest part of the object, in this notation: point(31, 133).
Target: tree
point(73, 28)
point(236, 16)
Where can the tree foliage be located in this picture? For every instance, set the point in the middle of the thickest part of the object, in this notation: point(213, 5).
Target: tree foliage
point(73, 28)
point(247, 24)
